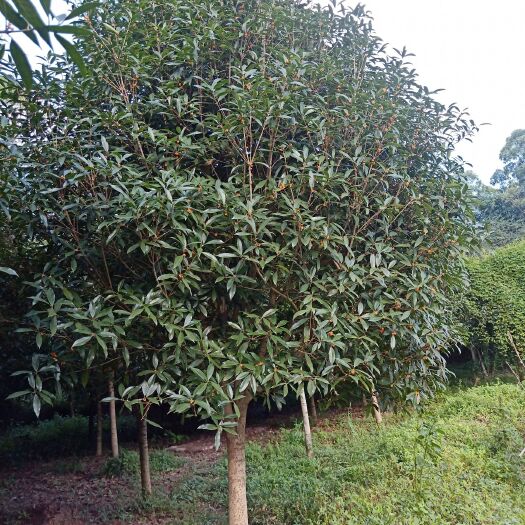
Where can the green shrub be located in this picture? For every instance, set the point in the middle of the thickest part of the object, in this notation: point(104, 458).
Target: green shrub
point(164, 461)
point(128, 463)
point(56, 438)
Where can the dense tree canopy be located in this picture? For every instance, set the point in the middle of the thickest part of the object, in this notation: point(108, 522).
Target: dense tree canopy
point(242, 199)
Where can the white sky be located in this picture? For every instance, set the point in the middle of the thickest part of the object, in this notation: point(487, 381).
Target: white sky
point(474, 49)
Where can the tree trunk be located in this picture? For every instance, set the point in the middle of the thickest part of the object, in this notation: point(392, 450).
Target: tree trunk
point(483, 367)
point(91, 419)
point(145, 475)
point(100, 422)
point(113, 419)
point(377, 410)
point(237, 503)
point(306, 423)
point(313, 410)
point(72, 404)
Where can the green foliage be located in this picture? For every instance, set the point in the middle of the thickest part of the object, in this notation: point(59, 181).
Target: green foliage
point(513, 157)
point(240, 198)
point(127, 464)
point(495, 303)
point(54, 438)
point(501, 211)
point(472, 473)
point(165, 461)
point(23, 19)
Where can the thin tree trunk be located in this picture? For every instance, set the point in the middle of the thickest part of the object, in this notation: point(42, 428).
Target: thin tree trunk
point(100, 422)
point(364, 400)
point(313, 411)
point(145, 475)
point(483, 367)
point(306, 422)
point(113, 419)
point(473, 354)
point(237, 503)
point(91, 419)
point(72, 404)
point(377, 410)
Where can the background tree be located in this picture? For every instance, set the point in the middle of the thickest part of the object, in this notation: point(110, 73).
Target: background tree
point(500, 210)
point(513, 157)
point(246, 198)
point(495, 307)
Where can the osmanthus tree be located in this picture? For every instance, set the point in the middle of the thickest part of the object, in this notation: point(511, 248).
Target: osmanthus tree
point(252, 197)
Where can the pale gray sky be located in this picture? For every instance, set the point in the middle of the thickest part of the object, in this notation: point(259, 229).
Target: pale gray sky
point(474, 49)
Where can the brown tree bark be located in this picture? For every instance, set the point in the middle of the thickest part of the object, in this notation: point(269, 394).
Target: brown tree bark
point(377, 410)
point(482, 363)
point(100, 422)
point(72, 404)
point(306, 422)
point(313, 411)
point(91, 419)
point(113, 419)
point(145, 474)
point(236, 444)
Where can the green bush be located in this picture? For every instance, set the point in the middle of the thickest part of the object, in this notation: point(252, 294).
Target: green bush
point(164, 461)
point(128, 463)
point(55, 438)
point(494, 305)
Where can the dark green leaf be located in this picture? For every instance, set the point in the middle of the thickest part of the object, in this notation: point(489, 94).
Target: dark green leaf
point(22, 64)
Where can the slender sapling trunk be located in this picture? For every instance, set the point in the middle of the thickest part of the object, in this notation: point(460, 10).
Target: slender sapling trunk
point(377, 410)
point(113, 419)
point(483, 367)
point(306, 422)
point(313, 411)
point(100, 422)
point(145, 474)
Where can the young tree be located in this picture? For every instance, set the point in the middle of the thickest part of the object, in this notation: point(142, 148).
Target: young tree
point(245, 198)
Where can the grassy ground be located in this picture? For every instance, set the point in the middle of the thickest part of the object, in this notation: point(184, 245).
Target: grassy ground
point(457, 463)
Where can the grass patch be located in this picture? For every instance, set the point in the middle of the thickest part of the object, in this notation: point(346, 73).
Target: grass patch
point(457, 463)
point(127, 464)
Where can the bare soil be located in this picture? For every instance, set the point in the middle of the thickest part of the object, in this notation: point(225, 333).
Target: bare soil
point(72, 491)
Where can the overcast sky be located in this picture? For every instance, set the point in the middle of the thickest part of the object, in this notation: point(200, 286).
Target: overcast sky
point(474, 49)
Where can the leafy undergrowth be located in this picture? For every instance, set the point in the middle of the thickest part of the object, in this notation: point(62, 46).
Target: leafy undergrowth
point(458, 463)
point(55, 438)
point(127, 464)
